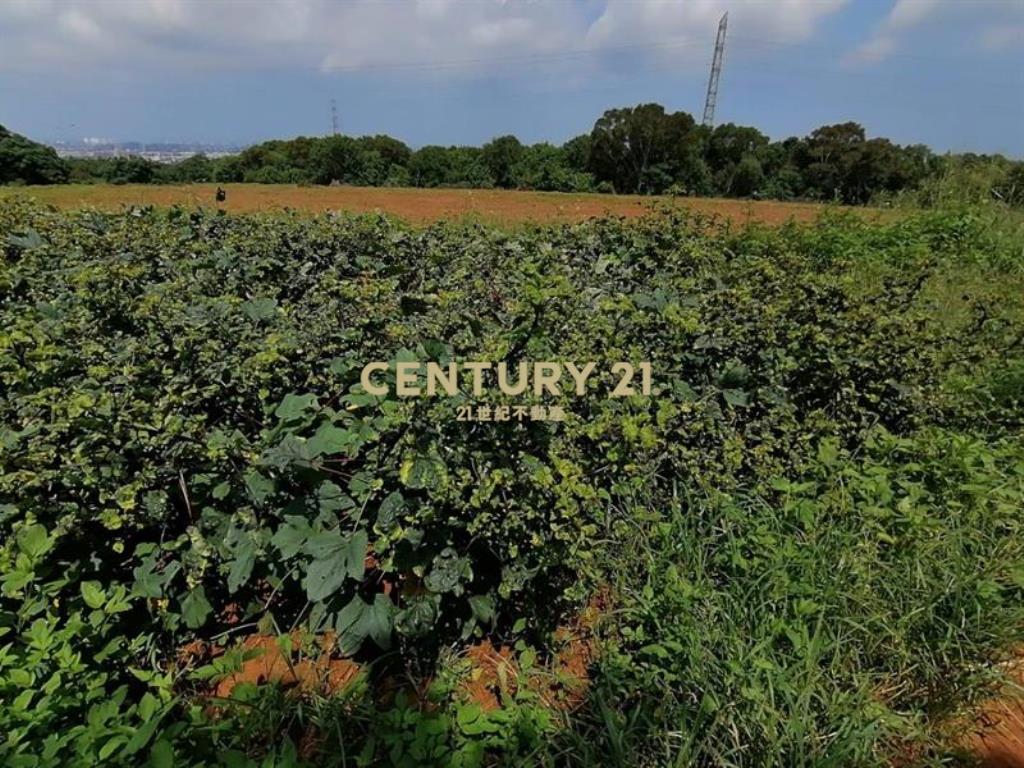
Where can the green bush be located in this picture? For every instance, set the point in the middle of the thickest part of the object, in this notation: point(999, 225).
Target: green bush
point(855, 606)
point(182, 422)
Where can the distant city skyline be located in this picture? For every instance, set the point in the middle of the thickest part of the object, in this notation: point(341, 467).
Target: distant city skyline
point(942, 73)
point(162, 152)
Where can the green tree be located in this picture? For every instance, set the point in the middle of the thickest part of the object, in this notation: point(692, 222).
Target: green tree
point(375, 169)
point(338, 158)
point(197, 168)
point(228, 169)
point(131, 170)
point(428, 166)
point(435, 166)
point(500, 155)
point(728, 144)
point(391, 150)
point(27, 162)
point(466, 168)
point(747, 178)
point(643, 148)
point(577, 152)
point(826, 156)
point(544, 167)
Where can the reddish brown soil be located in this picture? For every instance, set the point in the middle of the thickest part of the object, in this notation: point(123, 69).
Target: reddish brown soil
point(996, 736)
point(561, 684)
point(419, 205)
point(271, 665)
point(493, 673)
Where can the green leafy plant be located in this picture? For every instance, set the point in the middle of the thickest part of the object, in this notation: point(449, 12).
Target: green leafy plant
point(820, 496)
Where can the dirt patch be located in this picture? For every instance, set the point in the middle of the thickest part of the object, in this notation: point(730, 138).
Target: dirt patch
point(493, 674)
point(422, 205)
point(272, 660)
point(561, 684)
point(995, 737)
point(272, 664)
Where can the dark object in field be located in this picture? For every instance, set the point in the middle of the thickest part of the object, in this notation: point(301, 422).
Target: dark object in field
point(221, 195)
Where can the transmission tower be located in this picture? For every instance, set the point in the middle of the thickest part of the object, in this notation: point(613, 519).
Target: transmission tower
point(334, 118)
point(716, 70)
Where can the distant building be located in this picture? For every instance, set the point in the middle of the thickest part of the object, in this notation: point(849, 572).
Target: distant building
point(158, 152)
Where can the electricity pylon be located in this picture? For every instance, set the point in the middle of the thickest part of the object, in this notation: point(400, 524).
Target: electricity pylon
point(716, 71)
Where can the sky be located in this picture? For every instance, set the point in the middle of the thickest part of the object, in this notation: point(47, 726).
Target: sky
point(946, 73)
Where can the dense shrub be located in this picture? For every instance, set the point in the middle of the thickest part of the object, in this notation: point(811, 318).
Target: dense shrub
point(187, 453)
point(26, 162)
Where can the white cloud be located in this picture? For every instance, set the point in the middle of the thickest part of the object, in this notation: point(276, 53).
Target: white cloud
point(904, 15)
point(1002, 38)
point(79, 27)
point(437, 32)
point(783, 21)
point(908, 13)
point(127, 35)
point(874, 50)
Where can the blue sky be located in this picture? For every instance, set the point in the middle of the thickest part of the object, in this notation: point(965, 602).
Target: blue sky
point(948, 73)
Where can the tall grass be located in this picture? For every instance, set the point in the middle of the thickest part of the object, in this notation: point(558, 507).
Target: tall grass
point(846, 621)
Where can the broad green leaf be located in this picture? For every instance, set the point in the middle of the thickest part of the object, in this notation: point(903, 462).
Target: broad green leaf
point(483, 608)
point(257, 486)
point(734, 377)
point(379, 620)
point(93, 594)
point(390, 509)
point(195, 608)
point(112, 744)
point(448, 572)
point(292, 535)
point(425, 471)
point(336, 560)
point(736, 397)
point(29, 241)
point(241, 566)
point(14, 581)
point(162, 755)
point(471, 720)
point(329, 440)
point(349, 625)
point(260, 309)
point(330, 498)
point(290, 452)
point(149, 583)
point(33, 540)
point(419, 615)
point(295, 406)
point(360, 485)
point(324, 544)
point(143, 734)
point(359, 620)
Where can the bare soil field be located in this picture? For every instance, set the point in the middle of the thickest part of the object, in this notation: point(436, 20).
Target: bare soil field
point(419, 205)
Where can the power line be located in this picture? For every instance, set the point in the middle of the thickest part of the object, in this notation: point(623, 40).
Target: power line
point(531, 59)
point(679, 42)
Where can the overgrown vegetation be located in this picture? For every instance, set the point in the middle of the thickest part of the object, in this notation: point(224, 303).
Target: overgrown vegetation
point(25, 162)
point(803, 548)
point(641, 149)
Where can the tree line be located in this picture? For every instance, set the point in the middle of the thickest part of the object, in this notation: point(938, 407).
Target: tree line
point(643, 149)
